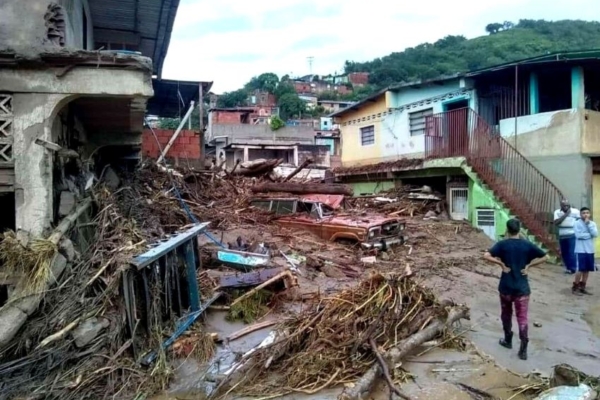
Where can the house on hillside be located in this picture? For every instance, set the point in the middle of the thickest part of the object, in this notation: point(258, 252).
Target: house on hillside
point(332, 106)
point(504, 141)
point(60, 95)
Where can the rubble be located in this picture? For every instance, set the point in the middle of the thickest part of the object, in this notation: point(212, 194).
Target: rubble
point(406, 200)
point(69, 351)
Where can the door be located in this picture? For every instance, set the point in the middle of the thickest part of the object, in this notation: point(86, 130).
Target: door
point(596, 206)
point(457, 127)
point(486, 221)
point(459, 200)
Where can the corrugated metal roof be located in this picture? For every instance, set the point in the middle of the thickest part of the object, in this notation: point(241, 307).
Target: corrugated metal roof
point(152, 20)
point(166, 101)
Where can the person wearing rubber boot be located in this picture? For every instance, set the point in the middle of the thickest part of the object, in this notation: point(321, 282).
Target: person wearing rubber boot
point(515, 255)
point(586, 232)
point(565, 218)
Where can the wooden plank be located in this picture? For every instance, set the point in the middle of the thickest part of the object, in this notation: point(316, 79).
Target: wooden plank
point(249, 278)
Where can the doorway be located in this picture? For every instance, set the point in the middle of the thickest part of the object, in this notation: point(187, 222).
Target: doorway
point(486, 221)
point(456, 124)
point(459, 200)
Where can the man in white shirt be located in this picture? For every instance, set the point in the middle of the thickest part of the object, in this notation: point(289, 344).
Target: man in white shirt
point(565, 218)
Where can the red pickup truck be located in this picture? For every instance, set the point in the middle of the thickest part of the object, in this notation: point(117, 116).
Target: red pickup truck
point(310, 214)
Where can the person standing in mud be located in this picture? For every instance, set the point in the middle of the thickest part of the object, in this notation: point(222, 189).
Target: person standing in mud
point(565, 218)
point(515, 255)
point(586, 232)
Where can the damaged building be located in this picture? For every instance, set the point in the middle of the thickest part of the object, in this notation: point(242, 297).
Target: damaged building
point(75, 79)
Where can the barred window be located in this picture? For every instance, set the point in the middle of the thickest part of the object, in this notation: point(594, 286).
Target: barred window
point(417, 121)
point(367, 135)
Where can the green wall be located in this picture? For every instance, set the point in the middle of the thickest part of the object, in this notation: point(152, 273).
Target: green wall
point(371, 187)
point(480, 197)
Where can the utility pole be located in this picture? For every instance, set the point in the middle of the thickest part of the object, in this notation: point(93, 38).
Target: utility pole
point(201, 122)
point(310, 63)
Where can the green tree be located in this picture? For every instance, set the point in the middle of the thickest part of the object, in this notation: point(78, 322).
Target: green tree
point(276, 123)
point(284, 88)
point(291, 106)
point(265, 82)
point(493, 28)
point(454, 54)
point(237, 98)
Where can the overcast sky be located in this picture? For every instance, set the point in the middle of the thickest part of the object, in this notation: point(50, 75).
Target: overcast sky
point(229, 41)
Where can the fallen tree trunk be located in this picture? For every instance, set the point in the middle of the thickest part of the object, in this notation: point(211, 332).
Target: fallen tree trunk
point(305, 164)
point(261, 169)
point(364, 385)
point(303, 188)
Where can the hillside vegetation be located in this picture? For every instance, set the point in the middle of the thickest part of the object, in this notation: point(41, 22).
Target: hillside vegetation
point(505, 42)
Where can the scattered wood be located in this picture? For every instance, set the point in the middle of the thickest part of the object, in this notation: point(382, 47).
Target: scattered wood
point(305, 164)
point(247, 279)
point(249, 329)
point(280, 276)
point(303, 188)
point(366, 382)
point(385, 370)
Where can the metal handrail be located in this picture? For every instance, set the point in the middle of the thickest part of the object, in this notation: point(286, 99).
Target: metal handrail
point(514, 179)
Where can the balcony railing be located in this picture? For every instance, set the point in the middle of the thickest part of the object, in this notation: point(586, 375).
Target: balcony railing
point(515, 181)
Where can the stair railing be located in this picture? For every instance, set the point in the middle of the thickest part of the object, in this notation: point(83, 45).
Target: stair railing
point(530, 195)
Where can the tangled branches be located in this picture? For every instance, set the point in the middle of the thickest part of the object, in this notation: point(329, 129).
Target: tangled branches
point(331, 344)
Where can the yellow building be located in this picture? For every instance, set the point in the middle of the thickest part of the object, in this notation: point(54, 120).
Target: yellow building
point(361, 130)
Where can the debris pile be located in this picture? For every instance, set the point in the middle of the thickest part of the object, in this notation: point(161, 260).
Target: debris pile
point(153, 199)
point(343, 337)
point(406, 200)
point(72, 347)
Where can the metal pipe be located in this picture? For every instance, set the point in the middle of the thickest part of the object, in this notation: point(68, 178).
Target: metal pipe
point(516, 101)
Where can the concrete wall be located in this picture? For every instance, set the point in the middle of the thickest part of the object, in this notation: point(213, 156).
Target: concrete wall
point(22, 25)
point(590, 141)
point(480, 197)
point(553, 142)
point(262, 134)
point(545, 134)
point(318, 153)
point(371, 187)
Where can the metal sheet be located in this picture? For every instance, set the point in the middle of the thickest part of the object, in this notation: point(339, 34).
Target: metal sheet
point(162, 249)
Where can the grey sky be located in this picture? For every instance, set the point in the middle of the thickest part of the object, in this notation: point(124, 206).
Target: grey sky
point(229, 41)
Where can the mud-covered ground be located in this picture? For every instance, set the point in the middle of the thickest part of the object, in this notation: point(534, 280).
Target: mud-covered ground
point(446, 256)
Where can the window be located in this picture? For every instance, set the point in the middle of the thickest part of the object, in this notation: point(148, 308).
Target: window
point(367, 135)
point(417, 121)
point(283, 207)
point(263, 204)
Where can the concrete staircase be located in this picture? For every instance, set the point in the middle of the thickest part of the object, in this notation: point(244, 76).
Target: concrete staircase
point(509, 214)
point(516, 183)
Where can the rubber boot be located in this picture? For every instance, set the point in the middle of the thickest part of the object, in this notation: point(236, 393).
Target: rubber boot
point(523, 350)
point(507, 341)
point(582, 289)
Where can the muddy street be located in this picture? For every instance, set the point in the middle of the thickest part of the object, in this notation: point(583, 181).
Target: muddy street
point(255, 305)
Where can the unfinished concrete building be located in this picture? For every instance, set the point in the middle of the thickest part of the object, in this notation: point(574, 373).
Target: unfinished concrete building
point(75, 79)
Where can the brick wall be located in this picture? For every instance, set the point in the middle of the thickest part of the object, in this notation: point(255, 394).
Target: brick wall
point(186, 146)
point(227, 117)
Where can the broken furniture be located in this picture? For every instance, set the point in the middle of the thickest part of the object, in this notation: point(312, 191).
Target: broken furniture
point(162, 286)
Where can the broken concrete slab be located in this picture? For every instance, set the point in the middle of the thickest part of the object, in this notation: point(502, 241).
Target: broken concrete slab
point(67, 203)
point(89, 330)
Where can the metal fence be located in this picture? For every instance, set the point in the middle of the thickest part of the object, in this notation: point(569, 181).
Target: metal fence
point(514, 180)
